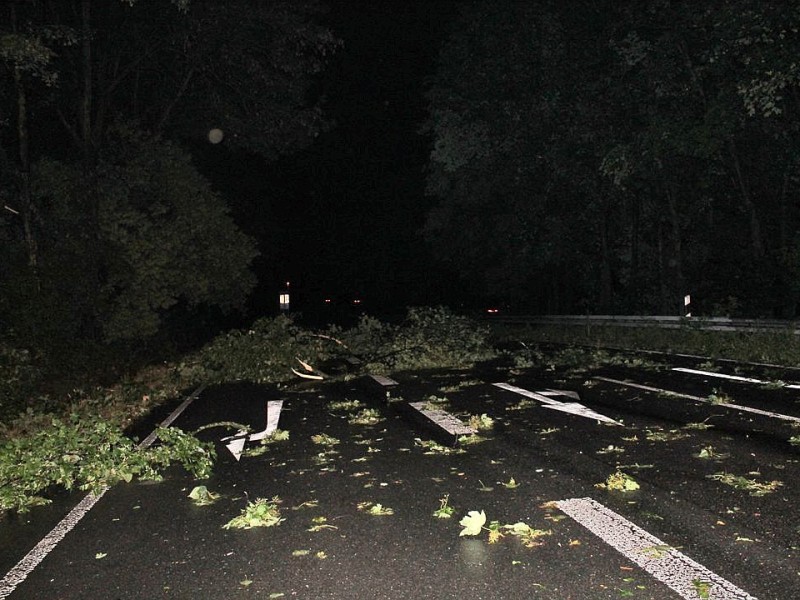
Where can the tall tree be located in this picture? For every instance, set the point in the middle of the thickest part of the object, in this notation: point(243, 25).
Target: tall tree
point(118, 79)
point(640, 152)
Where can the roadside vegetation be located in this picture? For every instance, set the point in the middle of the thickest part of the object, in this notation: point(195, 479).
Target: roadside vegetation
point(76, 439)
point(780, 348)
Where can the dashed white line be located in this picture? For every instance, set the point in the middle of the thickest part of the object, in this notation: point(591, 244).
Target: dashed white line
point(665, 563)
point(384, 381)
point(443, 419)
point(39, 552)
point(740, 407)
point(738, 378)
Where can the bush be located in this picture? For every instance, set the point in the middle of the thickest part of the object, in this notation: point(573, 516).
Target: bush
point(430, 338)
point(89, 454)
point(265, 353)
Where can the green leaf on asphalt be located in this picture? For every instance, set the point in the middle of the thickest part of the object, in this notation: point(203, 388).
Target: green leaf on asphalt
point(703, 588)
point(472, 523)
point(202, 497)
point(620, 482)
point(100, 555)
point(260, 513)
point(445, 511)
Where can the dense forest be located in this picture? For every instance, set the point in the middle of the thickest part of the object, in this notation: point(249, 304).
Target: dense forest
point(585, 157)
point(596, 157)
point(109, 234)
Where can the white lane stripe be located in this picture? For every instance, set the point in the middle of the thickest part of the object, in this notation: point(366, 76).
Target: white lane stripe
point(384, 381)
point(443, 419)
point(740, 407)
point(663, 562)
point(731, 377)
point(37, 554)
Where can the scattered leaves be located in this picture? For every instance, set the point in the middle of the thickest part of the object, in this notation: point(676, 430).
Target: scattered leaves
point(259, 513)
point(432, 447)
point(323, 439)
point(620, 482)
point(481, 422)
point(375, 509)
point(368, 416)
point(320, 523)
point(703, 588)
point(754, 487)
point(347, 405)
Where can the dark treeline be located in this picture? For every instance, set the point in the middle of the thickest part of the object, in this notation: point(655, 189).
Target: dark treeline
point(109, 235)
point(614, 156)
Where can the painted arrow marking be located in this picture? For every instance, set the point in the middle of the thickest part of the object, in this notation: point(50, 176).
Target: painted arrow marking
point(545, 398)
point(236, 442)
point(662, 561)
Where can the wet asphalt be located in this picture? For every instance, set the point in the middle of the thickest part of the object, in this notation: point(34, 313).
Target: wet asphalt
point(149, 540)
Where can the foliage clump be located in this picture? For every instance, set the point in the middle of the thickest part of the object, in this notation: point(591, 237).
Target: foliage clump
point(258, 513)
point(620, 482)
point(89, 454)
point(428, 338)
point(264, 353)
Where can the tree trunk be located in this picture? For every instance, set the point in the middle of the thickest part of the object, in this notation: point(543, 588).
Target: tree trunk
point(605, 267)
point(27, 209)
point(756, 241)
point(678, 287)
point(85, 117)
point(635, 249)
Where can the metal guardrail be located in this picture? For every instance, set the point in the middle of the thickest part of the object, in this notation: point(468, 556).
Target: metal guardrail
point(662, 322)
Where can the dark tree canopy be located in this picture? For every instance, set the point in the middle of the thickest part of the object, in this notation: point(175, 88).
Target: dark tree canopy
point(107, 225)
point(614, 157)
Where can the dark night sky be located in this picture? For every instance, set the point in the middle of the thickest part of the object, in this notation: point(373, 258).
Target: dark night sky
point(341, 218)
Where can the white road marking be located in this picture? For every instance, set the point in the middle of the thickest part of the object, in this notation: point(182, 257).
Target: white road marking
point(731, 377)
point(749, 409)
point(662, 561)
point(39, 552)
point(573, 408)
point(443, 419)
point(384, 381)
point(236, 442)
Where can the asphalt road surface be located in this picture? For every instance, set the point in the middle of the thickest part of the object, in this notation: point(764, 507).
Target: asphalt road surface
point(715, 514)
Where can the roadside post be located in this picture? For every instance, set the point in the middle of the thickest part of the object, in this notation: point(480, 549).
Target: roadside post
point(283, 299)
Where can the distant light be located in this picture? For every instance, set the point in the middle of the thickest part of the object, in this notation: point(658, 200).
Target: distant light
point(283, 301)
point(492, 311)
point(356, 301)
point(215, 136)
point(327, 300)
